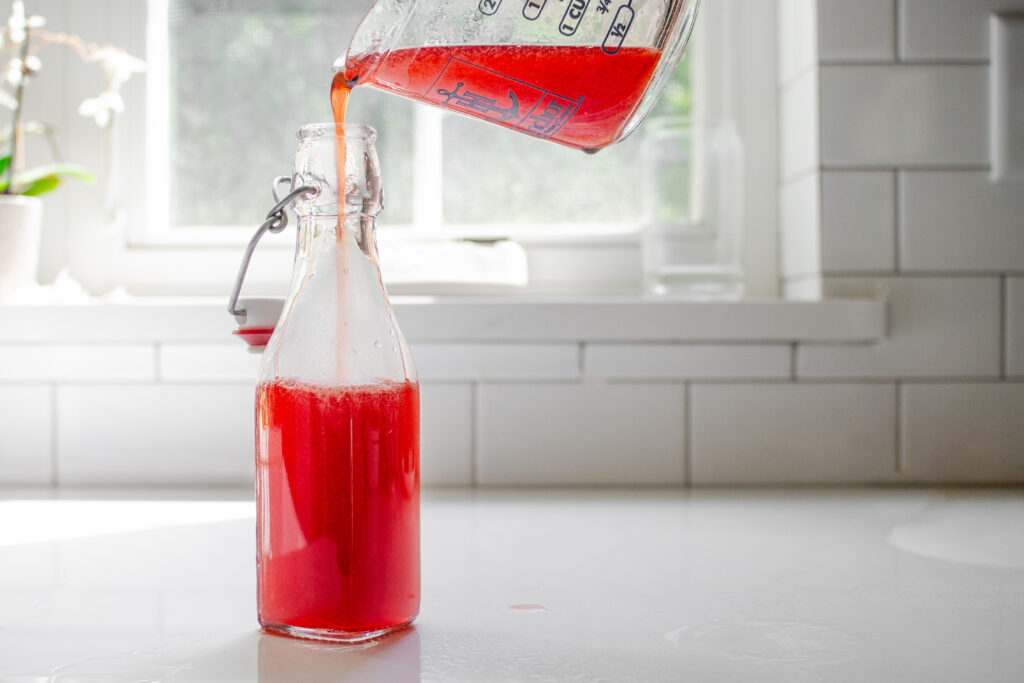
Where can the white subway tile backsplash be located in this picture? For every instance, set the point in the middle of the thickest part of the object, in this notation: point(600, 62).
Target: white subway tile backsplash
point(941, 327)
point(155, 434)
point(948, 29)
point(904, 115)
point(800, 226)
point(690, 361)
point(798, 126)
point(859, 31)
point(792, 433)
point(628, 319)
point(858, 223)
point(26, 427)
point(960, 221)
point(66, 362)
point(963, 432)
point(1014, 341)
point(446, 434)
point(207, 362)
point(141, 321)
point(797, 33)
point(496, 361)
point(581, 434)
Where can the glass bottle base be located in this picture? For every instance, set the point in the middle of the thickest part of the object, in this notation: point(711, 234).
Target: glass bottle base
point(330, 634)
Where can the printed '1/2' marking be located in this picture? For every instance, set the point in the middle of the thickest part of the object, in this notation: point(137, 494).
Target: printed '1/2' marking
point(617, 31)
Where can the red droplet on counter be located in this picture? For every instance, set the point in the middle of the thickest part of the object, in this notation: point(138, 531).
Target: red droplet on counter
point(255, 336)
point(528, 608)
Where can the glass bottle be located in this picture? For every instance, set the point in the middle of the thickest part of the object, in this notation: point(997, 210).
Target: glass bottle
point(692, 189)
point(337, 418)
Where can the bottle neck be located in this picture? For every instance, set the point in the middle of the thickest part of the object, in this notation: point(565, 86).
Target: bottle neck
point(355, 236)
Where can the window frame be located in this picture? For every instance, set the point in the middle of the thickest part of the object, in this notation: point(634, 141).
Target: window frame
point(144, 260)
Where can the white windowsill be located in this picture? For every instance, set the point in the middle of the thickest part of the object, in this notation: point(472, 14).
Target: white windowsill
point(475, 319)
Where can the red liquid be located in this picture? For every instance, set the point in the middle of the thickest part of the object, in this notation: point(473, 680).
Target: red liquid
point(254, 336)
point(338, 497)
point(577, 96)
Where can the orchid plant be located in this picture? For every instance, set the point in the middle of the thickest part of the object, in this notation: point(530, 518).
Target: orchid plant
point(21, 41)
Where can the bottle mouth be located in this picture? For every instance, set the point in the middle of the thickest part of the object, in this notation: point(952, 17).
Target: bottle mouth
point(347, 131)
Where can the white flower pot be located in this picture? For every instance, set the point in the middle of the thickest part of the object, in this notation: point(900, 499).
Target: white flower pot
point(20, 226)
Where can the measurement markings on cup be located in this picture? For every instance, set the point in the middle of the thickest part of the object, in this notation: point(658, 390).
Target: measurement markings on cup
point(489, 7)
point(572, 17)
point(533, 8)
point(620, 27)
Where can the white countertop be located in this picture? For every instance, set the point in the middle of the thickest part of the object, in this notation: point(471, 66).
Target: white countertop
point(713, 585)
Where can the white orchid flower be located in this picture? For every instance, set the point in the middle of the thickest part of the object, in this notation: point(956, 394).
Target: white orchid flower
point(118, 64)
point(7, 100)
point(102, 107)
point(32, 65)
point(15, 71)
point(18, 23)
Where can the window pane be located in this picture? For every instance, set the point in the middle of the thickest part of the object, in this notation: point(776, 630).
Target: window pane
point(244, 75)
point(492, 175)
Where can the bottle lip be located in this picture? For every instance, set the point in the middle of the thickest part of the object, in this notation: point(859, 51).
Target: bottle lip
point(348, 131)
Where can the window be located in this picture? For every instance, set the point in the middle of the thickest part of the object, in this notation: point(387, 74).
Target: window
point(221, 61)
point(231, 80)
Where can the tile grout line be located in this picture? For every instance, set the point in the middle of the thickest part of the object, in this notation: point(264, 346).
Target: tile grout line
point(901, 465)
point(474, 433)
point(1002, 325)
point(896, 31)
point(54, 455)
point(687, 435)
point(821, 230)
point(897, 261)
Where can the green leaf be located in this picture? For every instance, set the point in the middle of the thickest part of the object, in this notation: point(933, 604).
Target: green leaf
point(56, 170)
point(4, 163)
point(41, 186)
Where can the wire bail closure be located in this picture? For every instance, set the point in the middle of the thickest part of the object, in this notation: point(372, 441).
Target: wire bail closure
point(277, 220)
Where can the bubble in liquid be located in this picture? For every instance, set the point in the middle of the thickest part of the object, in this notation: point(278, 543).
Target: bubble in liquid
point(377, 345)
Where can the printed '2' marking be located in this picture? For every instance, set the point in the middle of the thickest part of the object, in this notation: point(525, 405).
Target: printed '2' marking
point(489, 7)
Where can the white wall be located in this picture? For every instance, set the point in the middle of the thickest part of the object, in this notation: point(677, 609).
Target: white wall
point(884, 190)
point(885, 168)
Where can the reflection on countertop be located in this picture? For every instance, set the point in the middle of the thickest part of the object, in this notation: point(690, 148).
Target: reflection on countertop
point(618, 585)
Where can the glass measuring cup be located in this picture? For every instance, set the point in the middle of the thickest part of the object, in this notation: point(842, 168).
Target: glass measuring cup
point(583, 73)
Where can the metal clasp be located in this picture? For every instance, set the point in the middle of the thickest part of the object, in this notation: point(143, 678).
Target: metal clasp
point(277, 220)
